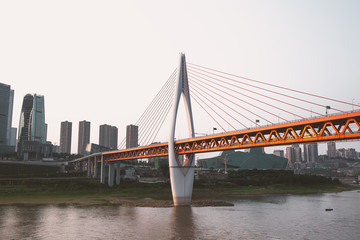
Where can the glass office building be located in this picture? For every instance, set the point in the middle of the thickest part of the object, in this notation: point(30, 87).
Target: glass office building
point(32, 127)
point(6, 109)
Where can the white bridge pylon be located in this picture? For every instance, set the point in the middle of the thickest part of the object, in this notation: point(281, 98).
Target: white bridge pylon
point(181, 169)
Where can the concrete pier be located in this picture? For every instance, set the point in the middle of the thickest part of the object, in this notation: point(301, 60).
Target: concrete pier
point(111, 175)
point(89, 167)
point(96, 168)
point(102, 170)
point(117, 173)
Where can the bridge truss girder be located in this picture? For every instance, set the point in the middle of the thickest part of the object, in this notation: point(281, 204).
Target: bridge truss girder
point(330, 128)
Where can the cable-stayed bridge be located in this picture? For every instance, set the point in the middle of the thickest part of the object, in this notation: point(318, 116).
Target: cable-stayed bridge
point(230, 102)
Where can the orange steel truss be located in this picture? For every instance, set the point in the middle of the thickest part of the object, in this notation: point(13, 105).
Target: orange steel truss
point(330, 128)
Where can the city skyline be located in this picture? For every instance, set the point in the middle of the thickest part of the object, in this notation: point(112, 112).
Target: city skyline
point(277, 42)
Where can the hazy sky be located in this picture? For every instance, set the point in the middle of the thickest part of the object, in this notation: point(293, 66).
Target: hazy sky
point(104, 61)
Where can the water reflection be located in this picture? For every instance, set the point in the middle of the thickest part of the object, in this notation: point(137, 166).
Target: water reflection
point(18, 222)
point(182, 223)
point(274, 217)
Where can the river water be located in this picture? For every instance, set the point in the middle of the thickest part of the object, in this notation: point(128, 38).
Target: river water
point(265, 217)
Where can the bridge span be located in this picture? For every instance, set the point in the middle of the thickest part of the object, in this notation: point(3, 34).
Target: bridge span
point(331, 128)
point(336, 127)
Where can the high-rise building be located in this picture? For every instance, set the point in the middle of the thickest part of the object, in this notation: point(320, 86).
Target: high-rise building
point(131, 136)
point(13, 137)
point(331, 152)
point(84, 136)
point(38, 127)
point(108, 136)
point(32, 125)
point(311, 152)
point(293, 154)
point(279, 153)
point(32, 128)
point(290, 154)
point(65, 137)
point(6, 110)
point(10, 114)
point(25, 120)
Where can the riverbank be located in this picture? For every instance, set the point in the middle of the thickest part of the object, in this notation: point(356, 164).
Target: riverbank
point(89, 192)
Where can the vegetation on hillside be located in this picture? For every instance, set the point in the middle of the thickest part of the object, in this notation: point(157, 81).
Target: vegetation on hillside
point(270, 177)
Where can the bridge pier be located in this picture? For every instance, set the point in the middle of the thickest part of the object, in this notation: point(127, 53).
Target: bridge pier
point(117, 173)
point(84, 166)
point(111, 175)
point(102, 170)
point(96, 168)
point(181, 185)
point(89, 167)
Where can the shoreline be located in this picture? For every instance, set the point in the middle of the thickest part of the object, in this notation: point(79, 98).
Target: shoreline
point(132, 194)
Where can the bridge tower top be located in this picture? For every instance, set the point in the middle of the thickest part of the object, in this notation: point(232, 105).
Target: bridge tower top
point(181, 88)
point(181, 170)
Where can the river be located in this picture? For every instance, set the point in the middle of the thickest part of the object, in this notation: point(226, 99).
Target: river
point(261, 217)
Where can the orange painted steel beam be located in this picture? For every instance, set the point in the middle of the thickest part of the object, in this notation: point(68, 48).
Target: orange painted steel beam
point(330, 128)
point(155, 150)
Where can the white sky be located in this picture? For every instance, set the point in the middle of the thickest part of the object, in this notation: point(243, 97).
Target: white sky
point(104, 61)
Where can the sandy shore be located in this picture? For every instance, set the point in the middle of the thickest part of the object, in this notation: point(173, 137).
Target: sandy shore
point(104, 201)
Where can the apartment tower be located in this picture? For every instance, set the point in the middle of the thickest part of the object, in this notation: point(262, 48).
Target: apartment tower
point(84, 136)
point(108, 136)
point(131, 136)
point(65, 137)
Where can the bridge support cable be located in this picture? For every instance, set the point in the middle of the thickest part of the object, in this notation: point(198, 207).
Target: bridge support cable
point(194, 97)
point(197, 78)
point(147, 116)
point(199, 88)
point(153, 115)
point(274, 92)
point(216, 105)
point(157, 116)
point(166, 113)
point(158, 119)
point(158, 97)
point(277, 86)
point(233, 96)
point(197, 100)
point(256, 93)
point(181, 169)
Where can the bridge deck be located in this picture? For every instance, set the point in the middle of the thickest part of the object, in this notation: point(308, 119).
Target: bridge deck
point(330, 128)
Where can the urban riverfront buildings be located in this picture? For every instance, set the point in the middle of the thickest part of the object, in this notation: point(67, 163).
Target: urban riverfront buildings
point(131, 136)
point(32, 128)
point(84, 136)
point(6, 108)
point(108, 136)
point(311, 152)
point(331, 152)
point(65, 137)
